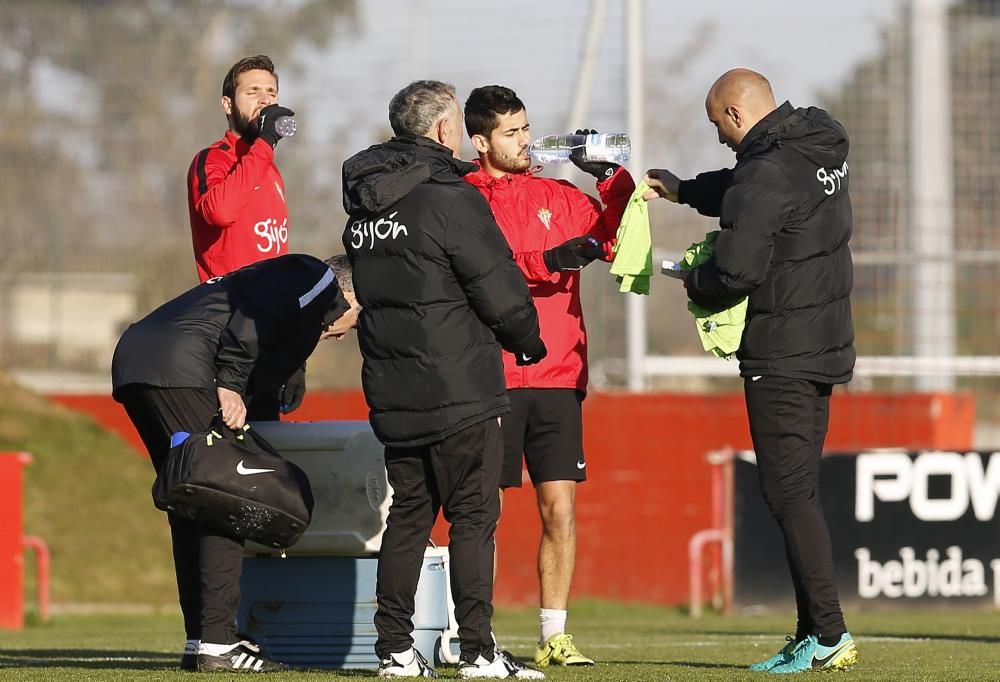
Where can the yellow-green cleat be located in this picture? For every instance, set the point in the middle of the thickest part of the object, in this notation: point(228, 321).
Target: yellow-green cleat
point(809, 654)
point(560, 650)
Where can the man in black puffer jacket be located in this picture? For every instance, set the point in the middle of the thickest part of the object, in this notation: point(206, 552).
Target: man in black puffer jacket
point(207, 354)
point(440, 294)
point(786, 221)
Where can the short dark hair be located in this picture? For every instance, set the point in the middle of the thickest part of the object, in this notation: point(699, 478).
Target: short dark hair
point(260, 61)
point(487, 103)
point(415, 109)
point(341, 267)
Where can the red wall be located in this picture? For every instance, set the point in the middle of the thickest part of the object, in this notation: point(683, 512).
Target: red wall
point(649, 487)
point(11, 540)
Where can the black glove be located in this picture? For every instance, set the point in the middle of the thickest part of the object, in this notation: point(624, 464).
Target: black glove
point(293, 391)
point(602, 170)
point(268, 115)
point(574, 254)
point(532, 353)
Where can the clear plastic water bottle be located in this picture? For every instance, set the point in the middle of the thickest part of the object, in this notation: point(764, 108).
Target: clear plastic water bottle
point(607, 147)
point(285, 126)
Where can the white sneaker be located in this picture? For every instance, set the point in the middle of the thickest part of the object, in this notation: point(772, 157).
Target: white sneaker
point(503, 666)
point(405, 664)
point(241, 657)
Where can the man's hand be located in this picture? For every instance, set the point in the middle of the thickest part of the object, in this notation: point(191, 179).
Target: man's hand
point(574, 254)
point(293, 391)
point(662, 183)
point(602, 170)
point(234, 411)
point(268, 115)
point(534, 354)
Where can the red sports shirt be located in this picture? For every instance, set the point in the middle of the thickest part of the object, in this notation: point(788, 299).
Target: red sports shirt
point(536, 214)
point(236, 199)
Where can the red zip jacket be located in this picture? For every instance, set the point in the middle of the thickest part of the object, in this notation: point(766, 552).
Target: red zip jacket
point(536, 214)
point(236, 199)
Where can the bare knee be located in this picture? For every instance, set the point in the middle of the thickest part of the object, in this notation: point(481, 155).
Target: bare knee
point(557, 507)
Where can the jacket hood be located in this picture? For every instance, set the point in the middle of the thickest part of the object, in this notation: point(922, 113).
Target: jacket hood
point(381, 175)
point(812, 132)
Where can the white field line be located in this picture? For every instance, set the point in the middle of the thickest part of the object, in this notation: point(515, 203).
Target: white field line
point(111, 609)
point(84, 659)
point(524, 641)
point(720, 639)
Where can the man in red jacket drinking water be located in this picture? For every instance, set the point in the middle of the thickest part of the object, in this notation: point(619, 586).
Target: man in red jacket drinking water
point(554, 230)
point(236, 198)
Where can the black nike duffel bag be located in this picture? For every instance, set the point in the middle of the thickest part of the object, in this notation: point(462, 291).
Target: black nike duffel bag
point(237, 484)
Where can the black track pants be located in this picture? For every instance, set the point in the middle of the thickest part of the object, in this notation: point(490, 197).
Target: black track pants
point(460, 474)
point(788, 424)
point(207, 564)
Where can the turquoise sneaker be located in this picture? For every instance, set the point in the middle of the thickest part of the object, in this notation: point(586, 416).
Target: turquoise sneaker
point(783, 656)
point(809, 654)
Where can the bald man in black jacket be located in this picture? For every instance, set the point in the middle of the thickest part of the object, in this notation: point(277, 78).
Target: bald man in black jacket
point(785, 214)
point(203, 354)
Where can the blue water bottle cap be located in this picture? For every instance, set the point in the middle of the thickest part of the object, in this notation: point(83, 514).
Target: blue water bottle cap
point(178, 438)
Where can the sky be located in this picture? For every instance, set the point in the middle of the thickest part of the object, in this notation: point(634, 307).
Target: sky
point(534, 47)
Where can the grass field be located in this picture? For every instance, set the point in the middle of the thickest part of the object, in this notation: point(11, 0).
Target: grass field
point(630, 643)
point(87, 495)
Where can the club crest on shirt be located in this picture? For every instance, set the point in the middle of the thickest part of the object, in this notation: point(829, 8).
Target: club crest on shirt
point(545, 215)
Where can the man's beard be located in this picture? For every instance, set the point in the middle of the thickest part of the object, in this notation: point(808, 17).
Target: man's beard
point(510, 164)
point(244, 126)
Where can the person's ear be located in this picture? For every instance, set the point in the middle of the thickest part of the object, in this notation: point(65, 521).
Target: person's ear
point(441, 130)
point(480, 142)
point(227, 105)
point(735, 115)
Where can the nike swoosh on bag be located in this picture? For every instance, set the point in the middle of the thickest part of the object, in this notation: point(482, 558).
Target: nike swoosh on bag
point(245, 471)
point(525, 357)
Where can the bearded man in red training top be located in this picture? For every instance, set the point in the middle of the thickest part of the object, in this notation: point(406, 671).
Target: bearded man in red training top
point(236, 199)
point(554, 230)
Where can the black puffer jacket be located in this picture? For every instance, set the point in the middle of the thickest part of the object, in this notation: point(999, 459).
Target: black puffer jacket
point(439, 289)
point(786, 221)
point(248, 330)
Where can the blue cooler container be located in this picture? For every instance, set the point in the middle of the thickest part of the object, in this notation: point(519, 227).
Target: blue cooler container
point(315, 607)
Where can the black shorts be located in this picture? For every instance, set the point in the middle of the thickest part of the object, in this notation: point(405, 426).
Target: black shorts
point(545, 427)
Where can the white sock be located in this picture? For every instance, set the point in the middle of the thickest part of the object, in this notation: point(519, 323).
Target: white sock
point(210, 649)
point(191, 646)
point(404, 657)
point(553, 623)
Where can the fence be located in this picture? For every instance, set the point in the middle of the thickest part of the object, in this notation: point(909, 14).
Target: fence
point(107, 103)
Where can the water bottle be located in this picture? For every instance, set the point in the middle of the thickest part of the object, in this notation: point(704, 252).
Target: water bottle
point(607, 147)
point(285, 126)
